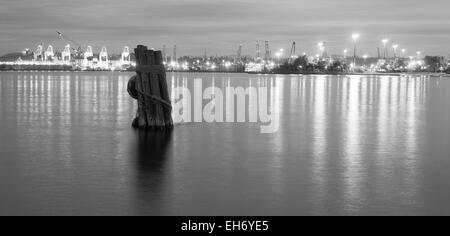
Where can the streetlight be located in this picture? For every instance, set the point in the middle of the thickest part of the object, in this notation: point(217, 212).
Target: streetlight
point(394, 47)
point(418, 54)
point(345, 53)
point(355, 38)
point(365, 58)
point(385, 41)
point(403, 52)
point(322, 48)
point(278, 55)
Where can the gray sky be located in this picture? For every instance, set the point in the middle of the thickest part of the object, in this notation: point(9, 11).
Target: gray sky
point(220, 26)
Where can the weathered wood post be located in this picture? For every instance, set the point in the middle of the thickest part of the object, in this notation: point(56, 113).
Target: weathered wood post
point(149, 88)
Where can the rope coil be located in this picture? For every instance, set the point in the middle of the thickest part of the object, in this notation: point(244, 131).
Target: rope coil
point(134, 93)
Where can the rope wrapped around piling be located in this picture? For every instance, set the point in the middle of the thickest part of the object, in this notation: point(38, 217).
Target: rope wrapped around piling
point(134, 93)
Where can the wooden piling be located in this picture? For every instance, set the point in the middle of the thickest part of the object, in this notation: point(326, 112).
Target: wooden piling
point(149, 88)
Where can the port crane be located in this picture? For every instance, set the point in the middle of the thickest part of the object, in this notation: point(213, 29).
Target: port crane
point(78, 51)
point(258, 51)
point(39, 53)
point(267, 55)
point(292, 57)
point(239, 52)
point(174, 58)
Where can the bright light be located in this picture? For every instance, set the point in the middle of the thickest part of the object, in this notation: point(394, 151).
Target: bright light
point(365, 57)
point(345, 51)
point(355, 37)
point(418, 53)
point(185, 66)
point(385, 41)
point(403, 50)
point(395, 46)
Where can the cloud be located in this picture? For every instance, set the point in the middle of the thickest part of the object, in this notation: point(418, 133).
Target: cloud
point(218, 26)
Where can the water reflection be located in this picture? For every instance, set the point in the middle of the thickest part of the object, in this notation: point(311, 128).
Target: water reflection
point(151, 154)
point(352, 145)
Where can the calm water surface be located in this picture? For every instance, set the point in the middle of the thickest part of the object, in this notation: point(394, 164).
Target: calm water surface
point(357, 145)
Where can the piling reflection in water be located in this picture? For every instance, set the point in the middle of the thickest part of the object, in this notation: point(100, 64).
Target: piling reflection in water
point(153, 149)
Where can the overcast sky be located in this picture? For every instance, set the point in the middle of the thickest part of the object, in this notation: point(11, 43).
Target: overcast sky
point(220, 26)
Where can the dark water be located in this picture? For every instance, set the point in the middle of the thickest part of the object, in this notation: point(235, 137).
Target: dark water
point(358, 145)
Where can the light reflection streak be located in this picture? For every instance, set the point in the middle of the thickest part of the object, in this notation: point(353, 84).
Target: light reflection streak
point(409, 176)
point(319, 141)
point(353, 162)
point(277, 140)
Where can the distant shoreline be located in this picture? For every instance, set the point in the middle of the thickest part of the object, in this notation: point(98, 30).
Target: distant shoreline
point(437, 74)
